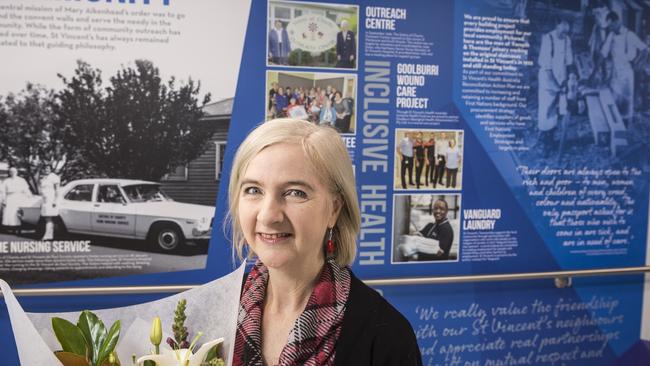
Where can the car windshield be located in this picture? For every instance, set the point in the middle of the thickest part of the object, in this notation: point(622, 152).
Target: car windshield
point(145, 193)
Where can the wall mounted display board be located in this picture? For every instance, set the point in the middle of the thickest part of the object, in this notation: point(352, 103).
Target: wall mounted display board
point(487, 137)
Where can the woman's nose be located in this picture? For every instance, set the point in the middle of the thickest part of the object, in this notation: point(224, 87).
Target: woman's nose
point(271, 211)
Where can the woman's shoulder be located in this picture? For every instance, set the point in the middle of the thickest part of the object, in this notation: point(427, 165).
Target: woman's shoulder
point(364, 298)
point(374, 332)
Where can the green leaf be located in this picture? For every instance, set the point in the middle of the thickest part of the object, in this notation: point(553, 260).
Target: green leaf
point(71, 359)
point(109, 343)
point(70, 337)
point(94, 332)
point(85, 325)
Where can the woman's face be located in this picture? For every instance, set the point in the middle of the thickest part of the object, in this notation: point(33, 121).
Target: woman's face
point(440, 211)
point(285, 209)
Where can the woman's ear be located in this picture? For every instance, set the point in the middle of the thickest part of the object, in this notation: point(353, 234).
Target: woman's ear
point(337, 205)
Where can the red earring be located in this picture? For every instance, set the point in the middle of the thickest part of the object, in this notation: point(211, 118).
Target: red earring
point(331, 247)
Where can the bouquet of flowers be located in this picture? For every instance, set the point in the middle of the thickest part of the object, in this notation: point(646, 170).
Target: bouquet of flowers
point(84, 339)
point(88, 343)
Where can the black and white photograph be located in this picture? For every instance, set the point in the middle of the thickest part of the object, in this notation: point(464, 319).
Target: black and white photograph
point(591, 96)
point(426, 228)
point(110, 157)
point(306, 34)
point(428, 160)
point(320, 98)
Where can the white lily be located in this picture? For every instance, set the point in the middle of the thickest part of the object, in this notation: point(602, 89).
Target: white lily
point(181, 357)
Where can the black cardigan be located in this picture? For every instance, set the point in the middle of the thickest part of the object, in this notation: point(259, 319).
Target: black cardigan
point(374, 332)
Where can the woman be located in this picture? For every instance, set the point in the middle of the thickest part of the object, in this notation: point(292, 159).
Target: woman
point(452, 158)
point(327, 114)
point(49, 188)
point(293, 205)
point(322, 97)
point(438, 237)
point(314, 112)
point(301, 98)
point(272, 93)
point(342, 122)
point(296, 110)
point(312, 96)
point(281, 103)
point(14, 189)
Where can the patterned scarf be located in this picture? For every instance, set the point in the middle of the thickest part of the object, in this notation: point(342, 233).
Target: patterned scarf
point(313, 337)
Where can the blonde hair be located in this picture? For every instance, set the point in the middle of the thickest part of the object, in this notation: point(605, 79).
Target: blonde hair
point(325, 151)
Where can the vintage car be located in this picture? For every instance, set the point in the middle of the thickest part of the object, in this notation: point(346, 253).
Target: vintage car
point(125, 208)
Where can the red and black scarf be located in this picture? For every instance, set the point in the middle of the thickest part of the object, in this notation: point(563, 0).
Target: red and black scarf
point(313, 337)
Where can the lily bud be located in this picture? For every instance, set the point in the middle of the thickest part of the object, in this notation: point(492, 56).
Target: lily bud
point(156, 332)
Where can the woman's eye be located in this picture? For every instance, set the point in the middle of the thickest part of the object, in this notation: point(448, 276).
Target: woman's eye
point(251, 190)
point(296, 193)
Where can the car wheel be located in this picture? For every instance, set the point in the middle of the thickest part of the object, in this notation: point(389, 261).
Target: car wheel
point(168, 237)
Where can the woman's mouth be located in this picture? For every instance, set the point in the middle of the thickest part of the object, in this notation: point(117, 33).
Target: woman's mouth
point(273, 238)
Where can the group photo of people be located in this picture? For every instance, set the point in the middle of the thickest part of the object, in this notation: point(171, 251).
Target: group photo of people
point(312, 34)
point(428, 159)
point(426, 227)
point(320, 98)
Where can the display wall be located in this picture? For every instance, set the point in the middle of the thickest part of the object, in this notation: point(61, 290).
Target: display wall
point(488, 137)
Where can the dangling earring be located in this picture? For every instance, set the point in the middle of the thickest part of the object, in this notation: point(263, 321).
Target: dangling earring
point(331, 247)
